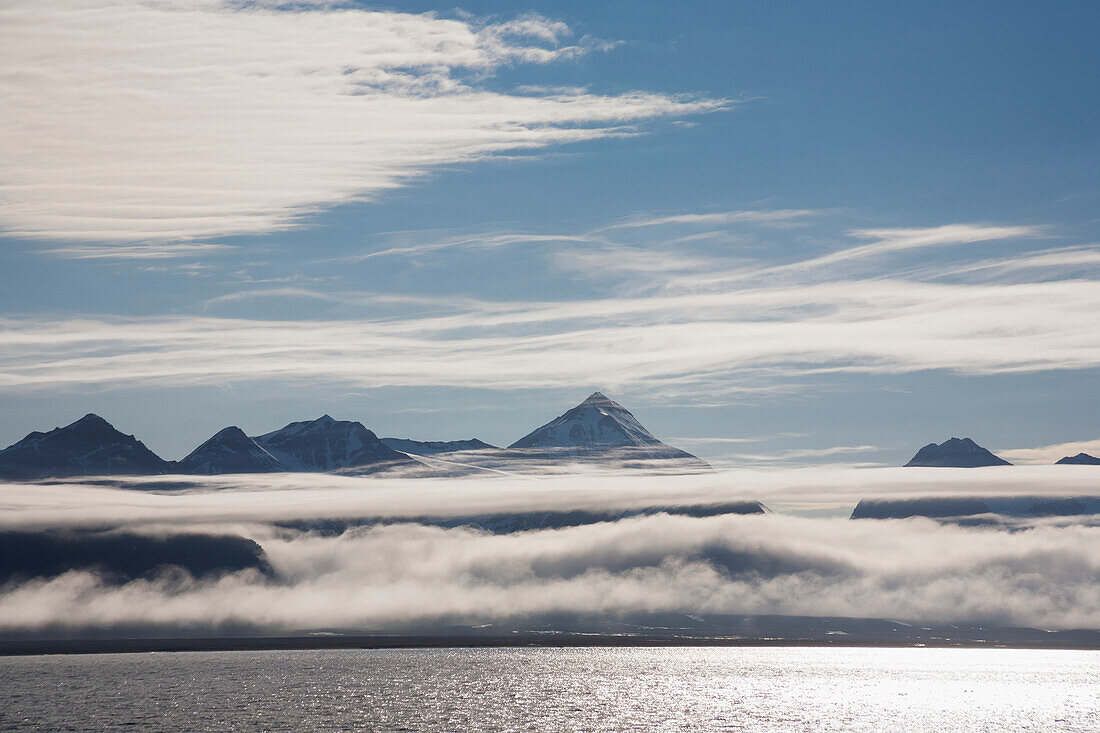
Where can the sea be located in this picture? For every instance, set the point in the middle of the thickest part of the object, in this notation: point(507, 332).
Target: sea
point(557, 689)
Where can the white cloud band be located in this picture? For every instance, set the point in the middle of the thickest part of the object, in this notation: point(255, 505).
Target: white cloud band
point(128, 121)
point(859, 326)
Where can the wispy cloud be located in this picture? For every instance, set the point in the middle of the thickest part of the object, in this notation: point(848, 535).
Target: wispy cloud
point(722, 441)
point(357, 299)
point(1048, 454)
point(797, 454)
point(594, 243)
point(894, 240)
point(135, 251)
point(876, 326)
point(750, 216)
point(889, 241)
point(131, 122)
point(487, 241)
point(1082, 258)
point(682, 315)
point(617, 261)
point(847, 261)
point(706, 251)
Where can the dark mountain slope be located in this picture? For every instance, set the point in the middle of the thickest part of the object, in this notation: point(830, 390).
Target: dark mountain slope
point(956, 453)
point(230, 451)
point(88, 447)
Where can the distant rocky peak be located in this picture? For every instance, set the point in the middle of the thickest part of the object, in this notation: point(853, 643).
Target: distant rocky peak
point(1081, 459)
point(87, 447)
point(91, 420)
point(955, 453)
point(91, 425)
point(230, 450)
point(322, 423)
point(230, 433)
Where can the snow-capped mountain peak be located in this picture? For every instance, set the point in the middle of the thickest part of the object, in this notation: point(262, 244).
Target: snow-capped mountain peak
point(598, 422)
point(598, 425)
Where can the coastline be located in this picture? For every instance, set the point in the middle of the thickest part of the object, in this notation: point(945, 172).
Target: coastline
point(1080, 640)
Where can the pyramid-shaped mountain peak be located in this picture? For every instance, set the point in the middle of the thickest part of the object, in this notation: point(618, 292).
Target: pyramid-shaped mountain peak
point(598, 425)
point(91, 424)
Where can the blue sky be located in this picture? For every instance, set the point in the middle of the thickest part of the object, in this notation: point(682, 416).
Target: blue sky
point(778, 232)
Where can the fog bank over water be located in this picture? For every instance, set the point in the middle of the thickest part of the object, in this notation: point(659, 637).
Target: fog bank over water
point(403, 573)
point(295, 496)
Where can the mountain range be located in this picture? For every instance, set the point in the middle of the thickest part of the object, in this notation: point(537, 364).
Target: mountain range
point(324, 445)
point(596, 429)
point(965, 453)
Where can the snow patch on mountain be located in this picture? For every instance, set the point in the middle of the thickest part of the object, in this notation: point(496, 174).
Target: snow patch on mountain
point(599, 426)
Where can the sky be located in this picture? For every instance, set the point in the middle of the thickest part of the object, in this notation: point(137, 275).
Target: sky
point(780, 233)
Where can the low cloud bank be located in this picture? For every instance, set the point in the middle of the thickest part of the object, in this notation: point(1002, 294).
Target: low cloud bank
point(407, 575)
point(288, 497)
point(399, 574)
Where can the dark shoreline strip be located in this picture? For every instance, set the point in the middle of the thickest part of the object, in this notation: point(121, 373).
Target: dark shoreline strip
point(293, 643)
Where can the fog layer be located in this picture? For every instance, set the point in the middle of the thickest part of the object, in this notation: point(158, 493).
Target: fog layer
point(404, 574)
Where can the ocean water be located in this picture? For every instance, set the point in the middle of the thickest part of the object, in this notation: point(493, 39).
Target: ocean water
point(544, 689)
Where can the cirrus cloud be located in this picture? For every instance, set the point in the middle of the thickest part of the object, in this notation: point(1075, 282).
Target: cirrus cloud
point(859, 326)
point(152, 122)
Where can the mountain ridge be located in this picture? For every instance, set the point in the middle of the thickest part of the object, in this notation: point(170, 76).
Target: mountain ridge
point(230, 450)
point(88, 446)
point(955, 453)
point(1081, 459)
point(325, 445)
point(436, 447)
